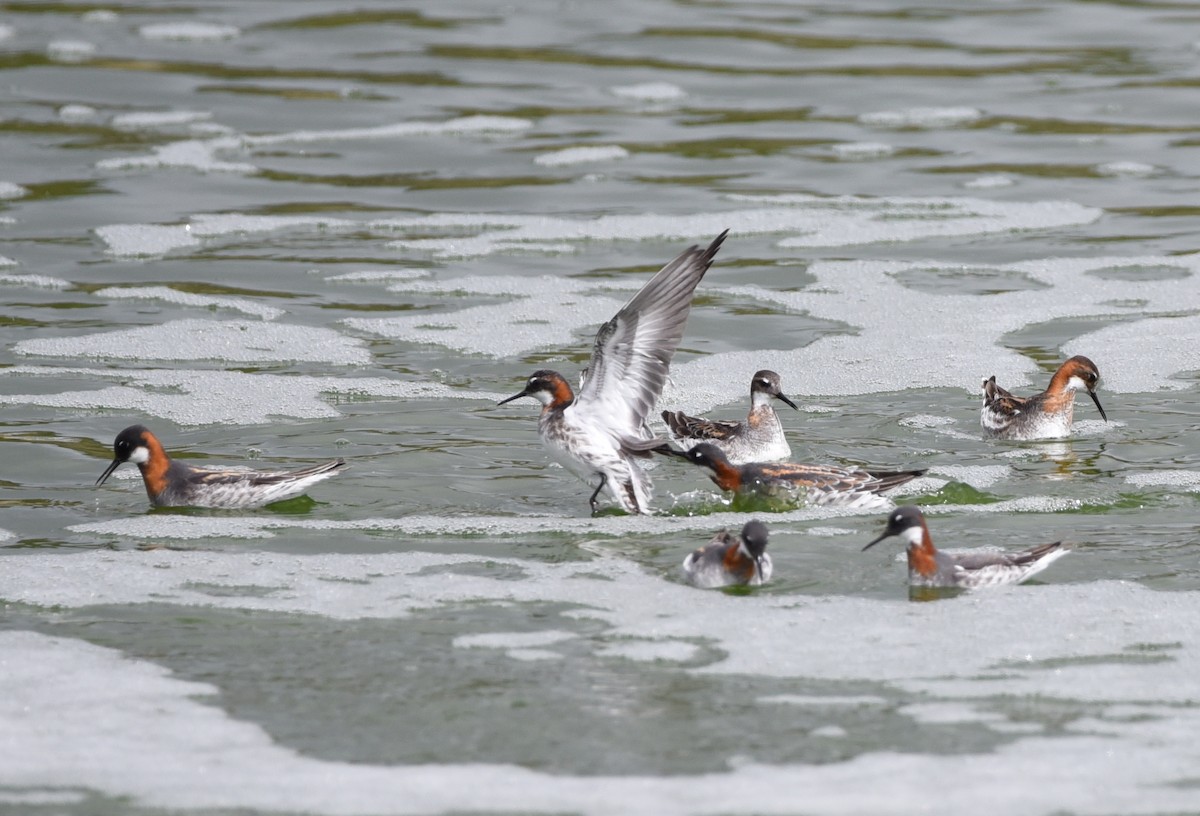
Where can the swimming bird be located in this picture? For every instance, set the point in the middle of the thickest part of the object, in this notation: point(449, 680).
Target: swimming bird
point(602, 429)
point(1046, 415)
point(819, 484)
point(728, 560)
point(930, 567)
point(759, 438)
point(171, 483)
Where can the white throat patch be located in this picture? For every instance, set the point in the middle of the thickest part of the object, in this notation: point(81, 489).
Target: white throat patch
point(140, 455)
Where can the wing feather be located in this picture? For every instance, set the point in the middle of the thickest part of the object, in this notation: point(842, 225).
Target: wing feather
point(633, 351)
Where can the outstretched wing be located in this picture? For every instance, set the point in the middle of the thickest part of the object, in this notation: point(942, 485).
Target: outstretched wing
point(633, 350)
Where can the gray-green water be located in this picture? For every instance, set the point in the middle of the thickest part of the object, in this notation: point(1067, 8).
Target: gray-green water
point(277, 233)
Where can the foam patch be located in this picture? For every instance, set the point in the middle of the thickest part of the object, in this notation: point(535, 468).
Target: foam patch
point(196, 32)
point(922, 117)
point(167, 295)
point(225, 341)
point(884, 354)
point(1135, 357)
point(581, 155)
point(191, 398)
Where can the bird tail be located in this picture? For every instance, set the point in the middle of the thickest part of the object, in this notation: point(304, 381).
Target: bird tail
point(886, 480)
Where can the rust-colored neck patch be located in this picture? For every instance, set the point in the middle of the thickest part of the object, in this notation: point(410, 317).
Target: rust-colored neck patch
point(562, 395)
point(727, 476)
point(922, 557)
point(154, 469)
point(738, 565)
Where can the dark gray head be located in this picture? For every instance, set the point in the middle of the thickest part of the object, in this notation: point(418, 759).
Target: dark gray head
point(900, 521)
point(767, 382)
point(133, 444)
point(547, 387)
point(754, 536)
point(705, 454)
point(1079, 371)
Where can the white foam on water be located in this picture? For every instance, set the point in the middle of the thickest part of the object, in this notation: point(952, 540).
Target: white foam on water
point(148, 120)
point(461, 126)
point(145, 239)
point(922, 117)
point(7, 535)
point(168, 295)
point(222, 397)
point(196, 32)
point(379, 276)
point(848, 701)
point(77, 113)
point(651, 651)
point(42, 797)
point(977, 476)
point(539, 312)
point(511, 640)
point(907, 219)
point(837, 221)
point(191, 154)
point(10, 190)
point(1127, 168)
point(989, 182)
point(1187, 479)
point(229, 341)
point(693, 530)
point(70, 50)
point(85, 716)
point(840, 221)
point(1145, 355)
point(202, 154)
point(857, 151)
point(100, 16)
point(883, 354)
point(32, 281)
point(829, 732)
point(949, 713)
point(650, 91)
point(829, 532)
point(581, 155)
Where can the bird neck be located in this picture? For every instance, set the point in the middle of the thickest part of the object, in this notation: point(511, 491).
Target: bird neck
point(154, 469)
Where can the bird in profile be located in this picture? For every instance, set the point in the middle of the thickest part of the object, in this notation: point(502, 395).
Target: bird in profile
point(818, 484)
point(171, 483)
point(728, 560)
point(1046, 415)
point(930, 567)
point(759, 438)
point(602, 429)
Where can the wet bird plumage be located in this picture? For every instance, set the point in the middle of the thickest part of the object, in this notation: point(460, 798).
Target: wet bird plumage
point(602, 429)
point(171, 483)
point(1047, 415)
point(758, 438)
point(730, 560)
point(821, 484)
point(930, 567)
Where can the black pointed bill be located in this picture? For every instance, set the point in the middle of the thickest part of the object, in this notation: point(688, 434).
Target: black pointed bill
point(524, 393)
point(787, 401)
point(116, 463)
point(1096, 400)
point(886, 534)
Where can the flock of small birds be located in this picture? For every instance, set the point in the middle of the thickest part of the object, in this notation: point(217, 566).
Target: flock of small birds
point(601, 429)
